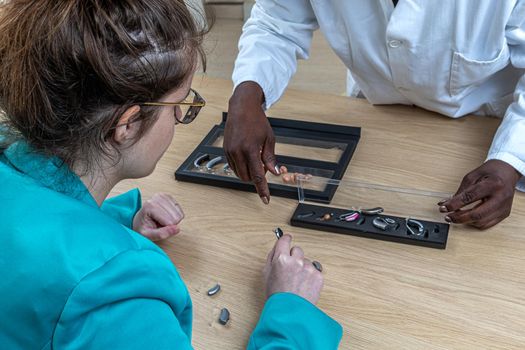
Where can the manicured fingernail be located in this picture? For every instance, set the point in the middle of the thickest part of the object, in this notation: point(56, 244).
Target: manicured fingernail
point(443, 209)
point(448, 219)
point(265, 200)
point(277, 170)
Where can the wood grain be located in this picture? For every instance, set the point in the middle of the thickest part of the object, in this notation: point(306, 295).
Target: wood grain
point(386, 295)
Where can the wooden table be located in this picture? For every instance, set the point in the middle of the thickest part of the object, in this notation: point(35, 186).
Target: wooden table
point(386, 295)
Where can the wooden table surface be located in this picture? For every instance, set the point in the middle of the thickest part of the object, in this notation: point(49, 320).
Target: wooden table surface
point(385, 295)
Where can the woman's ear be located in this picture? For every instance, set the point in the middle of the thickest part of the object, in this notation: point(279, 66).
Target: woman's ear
point(127, 128)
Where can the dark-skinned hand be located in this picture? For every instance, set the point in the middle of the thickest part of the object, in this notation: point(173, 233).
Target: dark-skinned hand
point(484, 197)
point(249, 142)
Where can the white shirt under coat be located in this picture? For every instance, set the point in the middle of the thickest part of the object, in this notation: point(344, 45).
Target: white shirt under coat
point(454, 57)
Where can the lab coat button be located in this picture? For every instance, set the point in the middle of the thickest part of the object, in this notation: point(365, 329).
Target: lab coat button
point(395, 43)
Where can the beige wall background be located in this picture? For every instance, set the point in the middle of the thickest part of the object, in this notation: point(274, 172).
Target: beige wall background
point(322, 72)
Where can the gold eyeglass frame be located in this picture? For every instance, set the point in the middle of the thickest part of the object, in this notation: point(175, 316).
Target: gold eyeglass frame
point(191, 114)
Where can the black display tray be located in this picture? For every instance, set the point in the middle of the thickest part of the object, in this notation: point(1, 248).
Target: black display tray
point(309, 133)
point(435, 235)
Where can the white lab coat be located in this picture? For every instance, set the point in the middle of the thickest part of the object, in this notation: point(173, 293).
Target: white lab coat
point(454, 57)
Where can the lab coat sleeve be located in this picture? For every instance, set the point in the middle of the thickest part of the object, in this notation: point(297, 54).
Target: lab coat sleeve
point(273, 38)
point(291, 322)
point(136, 300)
point(509, 143)
point(123, 207)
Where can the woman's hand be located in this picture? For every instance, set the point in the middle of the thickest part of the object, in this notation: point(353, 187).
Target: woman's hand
point(159, 217)
point(287, 270)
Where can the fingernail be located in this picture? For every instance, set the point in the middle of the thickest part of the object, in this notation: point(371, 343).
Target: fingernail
point(443, 209)
point(265, 200)
point(277, 170)
point(448, 219)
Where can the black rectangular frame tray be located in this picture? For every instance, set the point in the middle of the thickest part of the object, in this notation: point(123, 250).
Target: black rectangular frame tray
point(347, 135)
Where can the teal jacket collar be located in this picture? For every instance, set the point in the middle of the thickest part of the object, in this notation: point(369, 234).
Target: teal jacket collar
point(50, 172)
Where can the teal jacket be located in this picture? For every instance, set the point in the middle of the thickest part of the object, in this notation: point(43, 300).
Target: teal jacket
point(76, 276)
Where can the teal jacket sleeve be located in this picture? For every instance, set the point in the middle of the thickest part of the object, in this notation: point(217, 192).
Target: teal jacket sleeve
point(123, 207)
point(134, 301)
point(291, 322)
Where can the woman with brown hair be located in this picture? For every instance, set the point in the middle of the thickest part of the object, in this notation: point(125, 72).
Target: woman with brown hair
point(91, 91)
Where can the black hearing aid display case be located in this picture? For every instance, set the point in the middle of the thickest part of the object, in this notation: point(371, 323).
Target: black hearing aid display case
point(332, 145)
point(371, 210)
point(434, 234)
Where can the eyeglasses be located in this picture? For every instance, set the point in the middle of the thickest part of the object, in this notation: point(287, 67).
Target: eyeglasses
point(190, 107)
